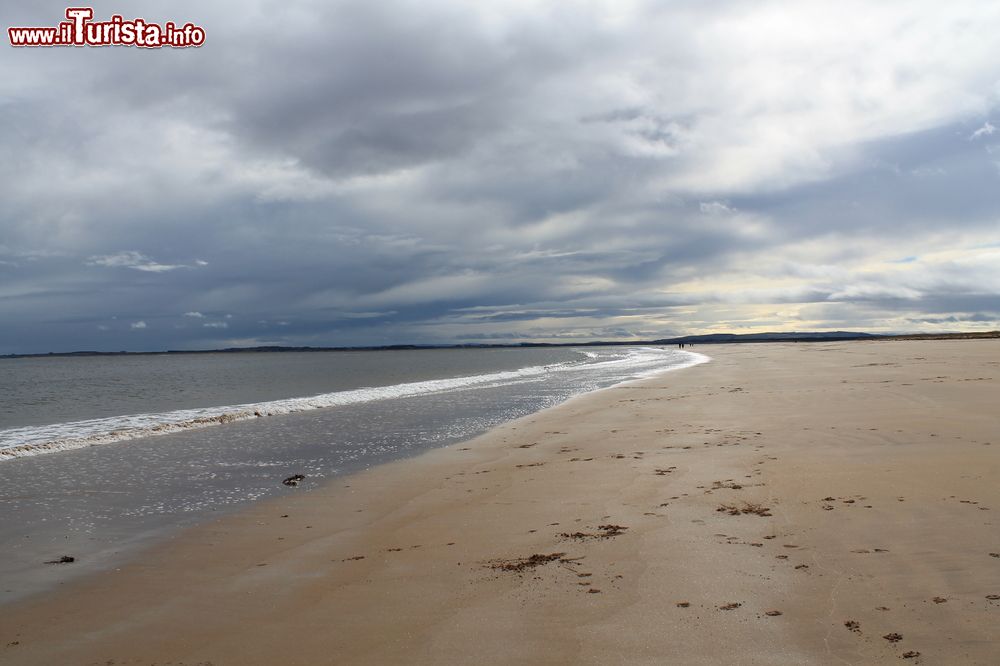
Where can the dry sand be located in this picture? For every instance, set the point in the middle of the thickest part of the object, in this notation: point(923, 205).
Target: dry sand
point(859, 488)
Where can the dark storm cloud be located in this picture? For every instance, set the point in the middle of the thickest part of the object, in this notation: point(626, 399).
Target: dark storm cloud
point(359, 173)
point(912, 182)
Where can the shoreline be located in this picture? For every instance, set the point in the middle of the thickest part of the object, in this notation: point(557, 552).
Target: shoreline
point(85, 433)
point(113, 543)
point(451, 555)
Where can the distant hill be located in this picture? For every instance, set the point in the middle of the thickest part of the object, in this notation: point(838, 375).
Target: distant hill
point(984, 335)
point(709, 339)
point(788, 336)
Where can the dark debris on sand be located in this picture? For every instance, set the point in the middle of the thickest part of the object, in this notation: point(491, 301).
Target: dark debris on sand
point(603, 532)
point(747, 508)
point(65, 559)
point(520, 564)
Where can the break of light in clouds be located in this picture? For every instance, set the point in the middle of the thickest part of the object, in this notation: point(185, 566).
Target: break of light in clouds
point(355, 173)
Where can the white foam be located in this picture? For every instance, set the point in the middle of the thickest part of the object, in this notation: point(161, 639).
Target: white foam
point(37, 440)
point(694, 358)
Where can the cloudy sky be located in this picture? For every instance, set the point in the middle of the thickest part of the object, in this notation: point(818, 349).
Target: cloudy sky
point(375, 172)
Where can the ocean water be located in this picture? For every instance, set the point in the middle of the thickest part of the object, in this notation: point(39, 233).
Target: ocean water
point(102, 455)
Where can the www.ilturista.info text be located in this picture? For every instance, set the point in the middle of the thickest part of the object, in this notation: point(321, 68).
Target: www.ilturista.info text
point(80, 30)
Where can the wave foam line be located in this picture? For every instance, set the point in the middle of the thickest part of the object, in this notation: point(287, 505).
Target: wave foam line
point(694, 358)
point(35, 440)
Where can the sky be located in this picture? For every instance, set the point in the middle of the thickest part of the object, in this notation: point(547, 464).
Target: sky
point(435, 171)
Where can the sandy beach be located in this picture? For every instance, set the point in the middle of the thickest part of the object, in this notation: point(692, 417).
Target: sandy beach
point(828, 503)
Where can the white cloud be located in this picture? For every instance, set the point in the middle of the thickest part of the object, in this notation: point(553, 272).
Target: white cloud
point(863, 291)
point(131, 259)
point(216, 324)
point(986, 130)
point(137, 261)
point(196, 315)
point(138, 325)
point(715, 208)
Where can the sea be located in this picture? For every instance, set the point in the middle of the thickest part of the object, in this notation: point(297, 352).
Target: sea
point(101, 456)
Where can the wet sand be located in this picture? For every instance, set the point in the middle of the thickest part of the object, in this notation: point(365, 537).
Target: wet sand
point(784, 504)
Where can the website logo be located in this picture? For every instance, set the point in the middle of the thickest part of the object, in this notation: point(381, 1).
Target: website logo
point(79, 29)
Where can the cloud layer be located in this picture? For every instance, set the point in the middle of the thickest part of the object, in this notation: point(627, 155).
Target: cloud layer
point(358, 173)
